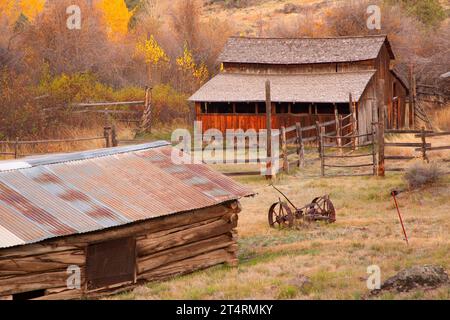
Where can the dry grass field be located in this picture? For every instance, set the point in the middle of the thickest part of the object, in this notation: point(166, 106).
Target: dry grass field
point(335, 256)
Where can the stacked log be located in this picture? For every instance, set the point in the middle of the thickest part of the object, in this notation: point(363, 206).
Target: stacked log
point(165, 246)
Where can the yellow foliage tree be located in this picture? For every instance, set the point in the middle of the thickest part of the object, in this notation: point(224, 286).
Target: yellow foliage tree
point(116, 17)
point(187, 64)
point(11, 9)
point(152, 51)
point(154, 55)
point(31, 8)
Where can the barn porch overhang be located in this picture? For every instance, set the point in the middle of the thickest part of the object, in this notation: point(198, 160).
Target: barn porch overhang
point(292, 88)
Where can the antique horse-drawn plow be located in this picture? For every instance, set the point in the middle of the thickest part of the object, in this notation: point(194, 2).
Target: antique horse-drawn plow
point(320, 209)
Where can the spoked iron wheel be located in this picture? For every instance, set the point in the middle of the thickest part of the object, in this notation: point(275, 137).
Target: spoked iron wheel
point(324, 207)
point(280, 215)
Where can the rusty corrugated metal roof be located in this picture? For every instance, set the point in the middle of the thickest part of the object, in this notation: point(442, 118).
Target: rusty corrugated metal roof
point(66, 194)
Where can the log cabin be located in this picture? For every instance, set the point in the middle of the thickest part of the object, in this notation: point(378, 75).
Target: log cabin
point(311, 79)
point(113, 218)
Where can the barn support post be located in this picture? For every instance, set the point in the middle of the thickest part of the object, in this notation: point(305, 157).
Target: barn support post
point(269, 131)
point(284, 150)
point(412, 106)
point(381, 117)
point(322, 151)
point(300, 145)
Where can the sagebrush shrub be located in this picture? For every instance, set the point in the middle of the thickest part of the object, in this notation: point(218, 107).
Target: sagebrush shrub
point(421, 174)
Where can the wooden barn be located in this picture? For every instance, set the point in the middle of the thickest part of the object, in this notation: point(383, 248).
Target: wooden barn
point(111, 217)
point(311, 78)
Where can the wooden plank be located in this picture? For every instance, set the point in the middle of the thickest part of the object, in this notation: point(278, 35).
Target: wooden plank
point(400, 131)
point(433, 134)
point(405, 144)
point(104, 104)
point(349, 165)
point(150, 262)
point(34, 281)
point(435, 148)
point(38, 263)
point(348, 156)
point(153, 245)
point(189, 265)
point(399, 157)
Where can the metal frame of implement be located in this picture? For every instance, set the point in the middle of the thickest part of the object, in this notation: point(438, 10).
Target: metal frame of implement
point(281, 214)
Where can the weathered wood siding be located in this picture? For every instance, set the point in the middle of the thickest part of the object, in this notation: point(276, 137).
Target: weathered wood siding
point(303, 68)
point(165, 246)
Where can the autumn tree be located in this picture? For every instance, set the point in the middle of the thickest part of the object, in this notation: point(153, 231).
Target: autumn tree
point(154, 56)
point(116, 16)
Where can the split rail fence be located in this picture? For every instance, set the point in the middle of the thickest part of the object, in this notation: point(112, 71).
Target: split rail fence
point(424, 146)
point(109, 136)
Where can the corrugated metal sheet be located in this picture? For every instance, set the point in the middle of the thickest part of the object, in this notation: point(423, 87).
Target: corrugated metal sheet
point(67, 194)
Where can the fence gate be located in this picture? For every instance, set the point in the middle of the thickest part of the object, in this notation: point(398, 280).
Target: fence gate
point(349, 153)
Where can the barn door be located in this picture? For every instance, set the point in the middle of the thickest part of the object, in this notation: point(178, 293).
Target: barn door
point(110, 262)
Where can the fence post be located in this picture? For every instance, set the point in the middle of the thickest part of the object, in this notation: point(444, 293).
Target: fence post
point(107, 130)
point(318, 136)
point(269, 131)
point(16, 148)
point(284, 150)
point(322, 151)
point(338, 120)
point(424, 145)
point(114, 140)
point(300, 146)
point(146, 122)
point(381, 120)
point(374, 152)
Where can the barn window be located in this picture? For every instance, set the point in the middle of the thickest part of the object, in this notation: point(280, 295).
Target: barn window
point(245, 108)
point(29, 295)
point(220, 107)
point(298, 108)
point(110, 262)
point(325, 108)
point(282, 107)
point(343, 108)
point(261, 107)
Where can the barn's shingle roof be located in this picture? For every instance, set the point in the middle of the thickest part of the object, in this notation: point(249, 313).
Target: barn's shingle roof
point(308, 87)
point(302, 50)
point(61, 195)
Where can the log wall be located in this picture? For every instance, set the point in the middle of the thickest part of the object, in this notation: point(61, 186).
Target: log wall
point(165, 246)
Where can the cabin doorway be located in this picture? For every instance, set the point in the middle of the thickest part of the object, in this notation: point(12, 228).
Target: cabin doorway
point(110, 262)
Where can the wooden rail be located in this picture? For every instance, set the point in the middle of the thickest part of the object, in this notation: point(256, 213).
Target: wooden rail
point(109, 135)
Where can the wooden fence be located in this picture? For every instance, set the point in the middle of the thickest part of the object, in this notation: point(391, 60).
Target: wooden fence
point(324, 156)
point(109, 136)
point(423, 146)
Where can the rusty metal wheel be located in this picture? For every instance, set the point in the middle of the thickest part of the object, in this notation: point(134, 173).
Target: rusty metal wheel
point(280, 215)
point(324, 209)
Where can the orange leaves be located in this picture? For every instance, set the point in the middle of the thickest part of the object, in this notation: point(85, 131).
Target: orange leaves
point(12, 9)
